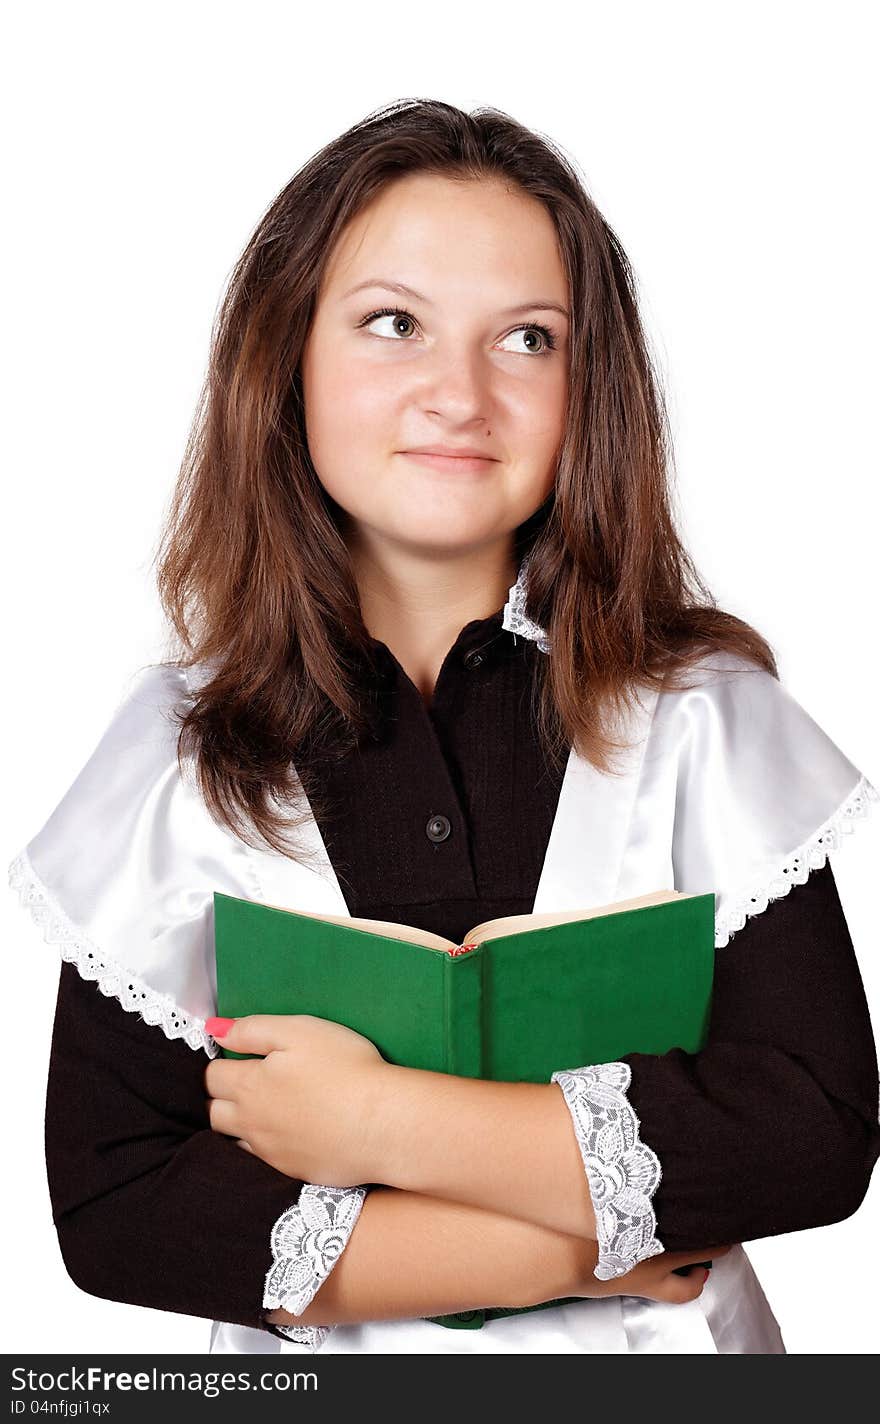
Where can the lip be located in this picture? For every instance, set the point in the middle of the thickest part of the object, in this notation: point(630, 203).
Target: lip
point(453, 461)
point(462, 452)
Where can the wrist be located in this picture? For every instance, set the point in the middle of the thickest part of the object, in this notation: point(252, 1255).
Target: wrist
point(582, 1262)
point(563, 1267)
point(410, 1110)
point(387, 1125)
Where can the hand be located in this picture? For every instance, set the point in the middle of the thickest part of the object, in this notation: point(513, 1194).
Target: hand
point(655, 1278)
point(309, 1105)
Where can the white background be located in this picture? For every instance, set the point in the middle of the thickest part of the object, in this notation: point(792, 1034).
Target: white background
point(729, 146)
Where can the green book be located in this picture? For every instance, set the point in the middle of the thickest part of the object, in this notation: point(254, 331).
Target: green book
point(522, 996)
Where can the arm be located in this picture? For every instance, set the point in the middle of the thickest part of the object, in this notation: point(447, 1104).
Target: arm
point(416, 1256)
point(154, 1208)
point(419, 1256)
point(771, 1127)
point(150, 1206)
point(501, 1146)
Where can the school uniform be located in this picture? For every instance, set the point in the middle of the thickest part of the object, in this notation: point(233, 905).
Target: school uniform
point(445, 816)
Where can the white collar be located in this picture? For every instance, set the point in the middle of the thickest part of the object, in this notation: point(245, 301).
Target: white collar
point(516, 620)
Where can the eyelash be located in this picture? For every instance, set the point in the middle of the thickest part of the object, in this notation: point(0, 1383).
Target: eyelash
point(549, 337)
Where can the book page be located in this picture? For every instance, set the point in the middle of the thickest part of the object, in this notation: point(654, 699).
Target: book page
point(489, 929)
point(515, 924)
point(409, 934)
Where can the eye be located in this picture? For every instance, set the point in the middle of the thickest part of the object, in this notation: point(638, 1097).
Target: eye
point(545, 333)
point(404, 318)
point(404, 324)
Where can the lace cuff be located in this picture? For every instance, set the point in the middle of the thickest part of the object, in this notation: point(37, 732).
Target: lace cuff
point(622, 1172)
point(307, 1240)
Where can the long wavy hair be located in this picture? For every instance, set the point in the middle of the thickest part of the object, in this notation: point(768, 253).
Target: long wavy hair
point(254, 575)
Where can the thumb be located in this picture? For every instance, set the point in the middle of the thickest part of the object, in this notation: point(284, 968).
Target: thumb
point(252, 1033)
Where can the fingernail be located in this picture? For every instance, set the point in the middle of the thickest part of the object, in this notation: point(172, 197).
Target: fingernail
point(218, 1027)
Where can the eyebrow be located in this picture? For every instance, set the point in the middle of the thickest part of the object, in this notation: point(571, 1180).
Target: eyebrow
point(403, 290)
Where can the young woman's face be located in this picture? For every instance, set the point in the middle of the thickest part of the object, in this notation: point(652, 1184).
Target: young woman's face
point(464, 364)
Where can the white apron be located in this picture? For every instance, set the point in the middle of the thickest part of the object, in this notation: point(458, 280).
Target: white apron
point(730, 788)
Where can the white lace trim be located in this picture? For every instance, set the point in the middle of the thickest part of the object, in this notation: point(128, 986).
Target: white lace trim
point(515, 619)
point(113, 979)
point(307, 1240)
point(622, 1172)
point(811, 855)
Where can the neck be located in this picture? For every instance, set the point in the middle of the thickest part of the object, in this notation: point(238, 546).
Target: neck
point(418, 606)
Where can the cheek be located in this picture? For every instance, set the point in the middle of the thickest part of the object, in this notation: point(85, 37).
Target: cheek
point(350, 405)
point(539, 410)
point(537, 427)
point(353, 422)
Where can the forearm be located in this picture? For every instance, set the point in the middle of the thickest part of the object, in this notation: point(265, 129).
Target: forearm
point(412, 1256)
point(505, 1147)
point(770, 1128)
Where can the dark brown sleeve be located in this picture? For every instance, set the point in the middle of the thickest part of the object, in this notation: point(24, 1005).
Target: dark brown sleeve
point(151, 1206)
point(772, 1127)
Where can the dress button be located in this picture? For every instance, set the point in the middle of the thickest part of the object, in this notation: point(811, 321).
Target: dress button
point(438, 828)
point(473, 658)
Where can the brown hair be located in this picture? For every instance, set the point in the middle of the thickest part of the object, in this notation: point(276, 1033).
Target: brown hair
point(254, 573)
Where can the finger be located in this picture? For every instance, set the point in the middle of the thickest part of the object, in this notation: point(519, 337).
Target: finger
point(688, 1258)
point(698, 1266)
point(245, 1146)
point(252, 1033)
point(224, 1116)
point(684, 1288)
point(227, 1077)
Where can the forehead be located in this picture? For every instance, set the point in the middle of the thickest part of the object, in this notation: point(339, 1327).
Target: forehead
point(444, 237)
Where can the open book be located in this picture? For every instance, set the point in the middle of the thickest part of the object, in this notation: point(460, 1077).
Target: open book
point(521, 997)
point(491, 929)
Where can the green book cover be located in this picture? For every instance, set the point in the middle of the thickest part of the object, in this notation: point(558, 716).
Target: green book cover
point(522, 997)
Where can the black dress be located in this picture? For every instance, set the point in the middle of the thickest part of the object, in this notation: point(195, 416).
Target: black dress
point(771, 1128)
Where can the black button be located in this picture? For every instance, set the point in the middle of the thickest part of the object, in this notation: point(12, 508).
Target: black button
point(474, 658)
point(438, 828)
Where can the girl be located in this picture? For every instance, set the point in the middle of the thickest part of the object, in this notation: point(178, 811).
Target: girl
point(441, 657)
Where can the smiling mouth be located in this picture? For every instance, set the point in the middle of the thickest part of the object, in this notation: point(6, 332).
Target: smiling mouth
point(452, 464)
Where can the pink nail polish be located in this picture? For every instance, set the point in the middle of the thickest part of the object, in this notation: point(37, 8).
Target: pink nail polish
point(217, 1028)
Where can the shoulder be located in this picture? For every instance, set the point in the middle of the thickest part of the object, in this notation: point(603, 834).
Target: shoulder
point(742, 715)
point(762, 792)
point(150, 703)
point(135, 746)
point(122, 872)
point(727, 695)
point(718, 670)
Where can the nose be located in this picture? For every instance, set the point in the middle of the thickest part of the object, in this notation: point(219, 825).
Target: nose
point(457, 384)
